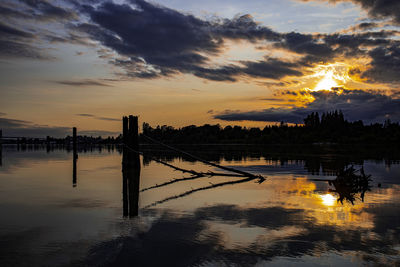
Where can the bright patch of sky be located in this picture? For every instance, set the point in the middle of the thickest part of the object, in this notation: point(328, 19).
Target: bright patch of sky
point(295, 16)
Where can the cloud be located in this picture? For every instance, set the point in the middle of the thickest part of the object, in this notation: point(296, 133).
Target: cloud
point(159, 41)
point(10, 31)
point(108, 119)
point(85, 115)
point(83, 83)
point(369, 106)
point(15, 43)
point(385, 64)
point(28, 43)
point(97, 117)
point(146, 40)
point(154, 41)
point(377, 9)
point(13, 127)
point(21, 128)
point(46, 11)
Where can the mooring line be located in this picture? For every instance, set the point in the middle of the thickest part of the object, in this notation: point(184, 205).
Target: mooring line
point(209, 173)
point(247, 174)
point(248, 179)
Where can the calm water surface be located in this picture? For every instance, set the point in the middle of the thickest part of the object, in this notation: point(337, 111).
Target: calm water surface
point(51, 217)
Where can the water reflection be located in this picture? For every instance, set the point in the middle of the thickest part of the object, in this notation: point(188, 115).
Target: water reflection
point(74, 175)
point(293, 217)
point(348, 184)
point(130, 183)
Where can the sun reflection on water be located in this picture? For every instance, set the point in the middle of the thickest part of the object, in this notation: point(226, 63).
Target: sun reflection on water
point(328, 200)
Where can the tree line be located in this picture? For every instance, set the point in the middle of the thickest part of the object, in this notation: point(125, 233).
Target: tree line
point(330, 127)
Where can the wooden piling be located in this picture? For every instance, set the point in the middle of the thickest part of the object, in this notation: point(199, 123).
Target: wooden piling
point(130, 166)
point(125, 131)
point(75, 156)
point(74, 176)
point(1, 147)
point(133, 132)
point(74, 140)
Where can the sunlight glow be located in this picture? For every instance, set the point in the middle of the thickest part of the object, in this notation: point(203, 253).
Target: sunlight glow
point(333, 75)
point(328, 200)
point(327, 82)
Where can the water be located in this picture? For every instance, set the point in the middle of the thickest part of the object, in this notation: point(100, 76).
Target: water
point(50, 218)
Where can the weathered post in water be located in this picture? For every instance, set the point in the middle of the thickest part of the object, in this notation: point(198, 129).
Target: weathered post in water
point(1, 147)
point(74, 140)
point(74, 157)
point(130, 166)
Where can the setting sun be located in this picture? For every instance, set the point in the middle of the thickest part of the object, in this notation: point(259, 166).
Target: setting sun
point(333, 75)
point(328, 200)
point(327, 82)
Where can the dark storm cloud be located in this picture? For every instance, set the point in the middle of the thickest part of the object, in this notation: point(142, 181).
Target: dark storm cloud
point(369, 106)
point(154, 35)
point(160, 42)
point(307, 44)
point(385, 64)
point(381, 8)
point(81, 83)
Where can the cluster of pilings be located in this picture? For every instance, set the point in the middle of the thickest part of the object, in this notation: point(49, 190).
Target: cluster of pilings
point(130, 166)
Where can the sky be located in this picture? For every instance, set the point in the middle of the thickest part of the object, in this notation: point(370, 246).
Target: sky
point(180, 62)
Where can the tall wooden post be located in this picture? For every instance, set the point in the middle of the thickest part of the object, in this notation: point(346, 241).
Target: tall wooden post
point(133, 132)
point(74, 157)
point(74, 140)
point(125, 130)
point(1, 147)
point(125, 138)
point(130, 166)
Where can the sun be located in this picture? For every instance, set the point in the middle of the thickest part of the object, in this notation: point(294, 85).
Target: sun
point(327, 82)
point(332, 75)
